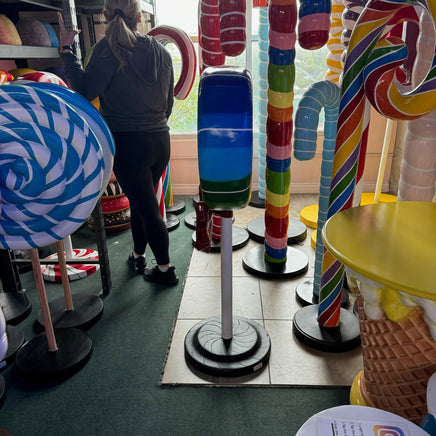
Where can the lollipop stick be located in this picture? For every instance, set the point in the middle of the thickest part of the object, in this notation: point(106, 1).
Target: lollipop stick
point(383, 158)
point(45, 311)
point(64, 275)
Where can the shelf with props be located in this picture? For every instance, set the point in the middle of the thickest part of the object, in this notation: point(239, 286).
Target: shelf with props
point(226, 345)
point(61, 147)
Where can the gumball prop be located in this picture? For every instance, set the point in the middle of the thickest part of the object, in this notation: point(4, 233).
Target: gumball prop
point(371, 63)
point(53, 172)
point(226, 346)
point(272, 259)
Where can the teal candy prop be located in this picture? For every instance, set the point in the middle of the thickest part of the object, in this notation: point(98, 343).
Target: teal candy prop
point(225, 137)
point(56, 155)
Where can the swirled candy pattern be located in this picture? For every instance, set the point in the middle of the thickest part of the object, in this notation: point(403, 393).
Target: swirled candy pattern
point(371, 63)
point(53, 166)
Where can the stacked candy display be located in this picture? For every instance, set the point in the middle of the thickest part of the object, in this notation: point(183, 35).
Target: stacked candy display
point(371, 65)
point(281, 75)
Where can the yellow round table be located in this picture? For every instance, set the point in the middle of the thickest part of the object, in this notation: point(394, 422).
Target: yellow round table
point(389, 250)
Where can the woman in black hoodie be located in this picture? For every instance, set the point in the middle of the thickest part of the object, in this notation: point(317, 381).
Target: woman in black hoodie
point(132, 74)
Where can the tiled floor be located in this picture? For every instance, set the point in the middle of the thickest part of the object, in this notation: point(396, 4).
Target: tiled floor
point(271, 303)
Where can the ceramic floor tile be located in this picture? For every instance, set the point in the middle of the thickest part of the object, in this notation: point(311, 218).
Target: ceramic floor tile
point(292, 363)
point(202, 298)
point(272, 302)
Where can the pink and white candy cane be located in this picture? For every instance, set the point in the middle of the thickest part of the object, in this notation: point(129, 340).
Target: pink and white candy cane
point(232, 26)
point(418, 168)
point(166, 34)
point(210, 52)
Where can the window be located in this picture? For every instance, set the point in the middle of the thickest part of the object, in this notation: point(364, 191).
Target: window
point(308, 64)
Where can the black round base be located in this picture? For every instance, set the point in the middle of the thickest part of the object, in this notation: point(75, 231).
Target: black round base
point(74, 350)
point(172, 222)
point(246, 353)
point(2, 391)
point(16, 306)
point(15, 342)
point(297, 231)
point(339, 339)
point(256, 201)
point(190, 219)
point(254, 262)
point(87, 310)
point(177, 207)
point(240, 239)
point(305, 296)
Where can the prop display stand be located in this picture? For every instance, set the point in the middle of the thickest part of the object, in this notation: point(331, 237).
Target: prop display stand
point(177, 207)
point(297, 231)
point(256, 201)
point(85, 310)
point(227, 346)
point(16, 306)
point(47, 356)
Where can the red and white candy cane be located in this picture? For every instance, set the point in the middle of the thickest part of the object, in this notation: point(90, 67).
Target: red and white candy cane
point(166, 34)
point(209, 42)
point(232, 26)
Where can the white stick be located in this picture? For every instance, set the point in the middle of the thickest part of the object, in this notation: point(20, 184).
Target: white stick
point(226, 278)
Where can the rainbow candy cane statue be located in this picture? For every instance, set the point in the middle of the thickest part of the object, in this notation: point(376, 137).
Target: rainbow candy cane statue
point(320, 95)
point(369, 72)
point(281, 75)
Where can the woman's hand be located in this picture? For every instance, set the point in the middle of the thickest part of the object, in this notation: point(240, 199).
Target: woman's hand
point(66, 37)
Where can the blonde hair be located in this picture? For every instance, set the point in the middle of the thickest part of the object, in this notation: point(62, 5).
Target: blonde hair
point(122, 17)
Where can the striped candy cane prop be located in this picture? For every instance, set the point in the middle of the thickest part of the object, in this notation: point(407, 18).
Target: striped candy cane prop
point(313, 23)
point(168, 34)
point(232, 26)
point(210, 51)
point(53, 168)
point(263, 97)
point(320, 95)
point(371, 62)
point(281, 75)
point(334, 44)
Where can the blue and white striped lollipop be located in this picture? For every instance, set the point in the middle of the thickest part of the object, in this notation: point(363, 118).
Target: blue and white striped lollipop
point(55, 161)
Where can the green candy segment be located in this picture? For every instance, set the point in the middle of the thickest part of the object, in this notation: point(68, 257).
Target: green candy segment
point(281, 77)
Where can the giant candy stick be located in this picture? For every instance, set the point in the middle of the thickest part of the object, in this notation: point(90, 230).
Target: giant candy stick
point(334, 44)
point(281, 75)
point(313, 23)
point(55, 163)
point(263, 97)
point(320, 95)
point(366, 51)
point(232, 26)
point(210, 52)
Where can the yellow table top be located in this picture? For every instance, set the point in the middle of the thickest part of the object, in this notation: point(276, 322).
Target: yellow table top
point(391, 243)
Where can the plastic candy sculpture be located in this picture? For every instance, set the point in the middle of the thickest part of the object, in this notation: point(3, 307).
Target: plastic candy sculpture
point(225, 137)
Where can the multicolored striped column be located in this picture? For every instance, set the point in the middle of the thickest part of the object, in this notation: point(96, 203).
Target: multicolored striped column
point(281, 75)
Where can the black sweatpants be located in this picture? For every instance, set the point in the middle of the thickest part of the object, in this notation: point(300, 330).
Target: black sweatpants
point(140, 160)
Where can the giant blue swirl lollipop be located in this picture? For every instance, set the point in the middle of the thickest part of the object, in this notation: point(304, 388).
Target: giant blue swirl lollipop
point(56, 155)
